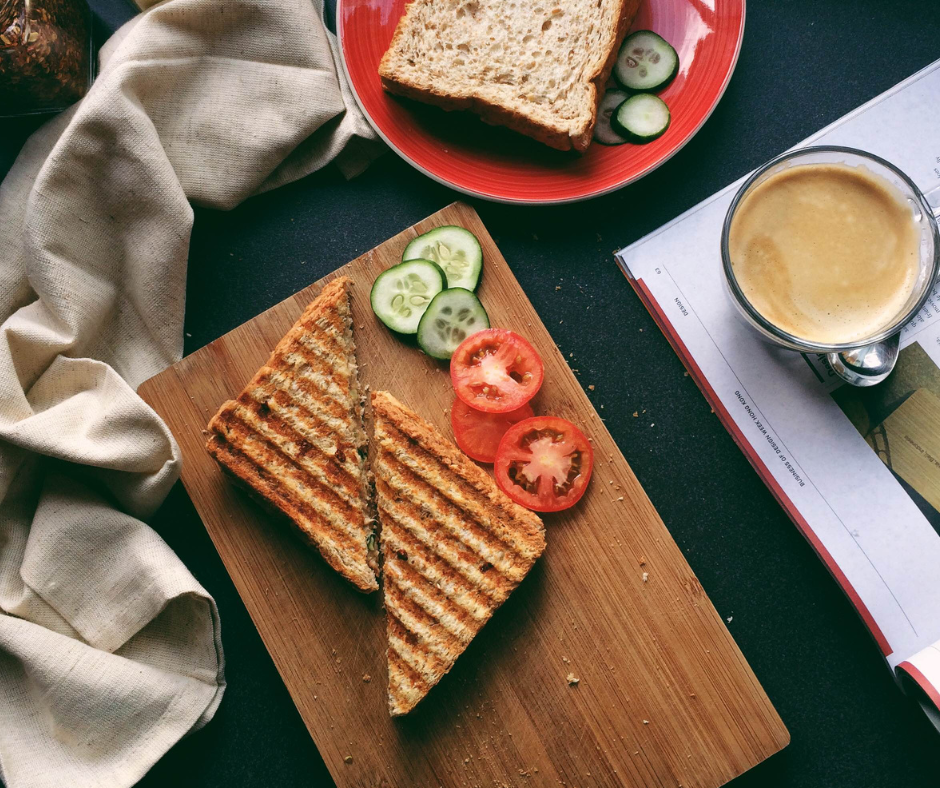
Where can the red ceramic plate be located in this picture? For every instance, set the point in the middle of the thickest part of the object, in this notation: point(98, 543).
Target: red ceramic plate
point(461, 151)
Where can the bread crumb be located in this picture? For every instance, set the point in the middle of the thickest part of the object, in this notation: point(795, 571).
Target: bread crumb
point(646, 722)
point(348, 759)
point(566, 660)
point(636, 415)
point(558, 287)
point(591, 387)
point(366, 678)
point(642, 561)
point(729, 619)
point(646, 577)
point(572, 680)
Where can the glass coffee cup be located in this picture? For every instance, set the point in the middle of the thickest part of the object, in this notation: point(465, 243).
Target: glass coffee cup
point(868, 357)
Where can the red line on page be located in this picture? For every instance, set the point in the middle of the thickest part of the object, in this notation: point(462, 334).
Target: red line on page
point(758, 464)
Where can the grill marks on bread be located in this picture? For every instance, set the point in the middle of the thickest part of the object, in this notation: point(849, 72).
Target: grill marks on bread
point(454, 547)
point(294, 435)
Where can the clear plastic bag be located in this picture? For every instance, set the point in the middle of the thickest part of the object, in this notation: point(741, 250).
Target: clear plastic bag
point(45, 55)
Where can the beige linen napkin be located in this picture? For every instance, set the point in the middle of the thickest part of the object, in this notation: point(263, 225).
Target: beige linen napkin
point(109, 649)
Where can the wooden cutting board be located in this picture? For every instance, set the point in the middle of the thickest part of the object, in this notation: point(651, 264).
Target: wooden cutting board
point(665, 697)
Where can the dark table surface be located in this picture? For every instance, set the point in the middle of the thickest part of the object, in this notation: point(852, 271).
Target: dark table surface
point(804, 64)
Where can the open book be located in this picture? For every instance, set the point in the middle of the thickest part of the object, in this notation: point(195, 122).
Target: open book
point(858, 470)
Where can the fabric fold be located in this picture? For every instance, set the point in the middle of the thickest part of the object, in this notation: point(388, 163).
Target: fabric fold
point(110, 650)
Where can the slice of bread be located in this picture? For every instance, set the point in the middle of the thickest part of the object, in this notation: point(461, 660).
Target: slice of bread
point(538, 67)
point(454, 548)
point(294, 436)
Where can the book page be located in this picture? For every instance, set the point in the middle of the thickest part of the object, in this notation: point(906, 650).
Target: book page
point(858, 470)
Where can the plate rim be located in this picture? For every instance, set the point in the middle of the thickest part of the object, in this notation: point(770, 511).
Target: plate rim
point(552, 201)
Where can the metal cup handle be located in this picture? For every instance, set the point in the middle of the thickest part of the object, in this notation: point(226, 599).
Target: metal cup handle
point(868, 365)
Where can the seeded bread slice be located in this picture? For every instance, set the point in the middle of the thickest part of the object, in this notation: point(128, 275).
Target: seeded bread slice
point(538, 67)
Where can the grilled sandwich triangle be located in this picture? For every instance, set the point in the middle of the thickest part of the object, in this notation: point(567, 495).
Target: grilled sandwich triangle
point(294, 436)
point(454, 547)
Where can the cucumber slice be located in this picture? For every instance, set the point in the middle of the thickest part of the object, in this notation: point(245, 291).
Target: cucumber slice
point(646, 62)
point(603, 132)
point(450, 318)
point(401, 294)
point(454, 249)
point(641, 118)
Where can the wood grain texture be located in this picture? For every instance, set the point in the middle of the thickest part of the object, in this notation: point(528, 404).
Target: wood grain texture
point(665, 697)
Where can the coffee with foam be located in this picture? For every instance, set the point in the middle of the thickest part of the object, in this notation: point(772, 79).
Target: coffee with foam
point(826, 252)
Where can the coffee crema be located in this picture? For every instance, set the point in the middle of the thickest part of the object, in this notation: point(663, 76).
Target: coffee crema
point(826, 252)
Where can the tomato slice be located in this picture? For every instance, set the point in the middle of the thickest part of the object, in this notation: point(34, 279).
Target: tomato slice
point(544, 463)
point(496, 371)
point(478, 434)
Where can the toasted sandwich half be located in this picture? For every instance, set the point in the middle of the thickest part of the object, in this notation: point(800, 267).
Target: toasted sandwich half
point(294, 436)
point(454, 547)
